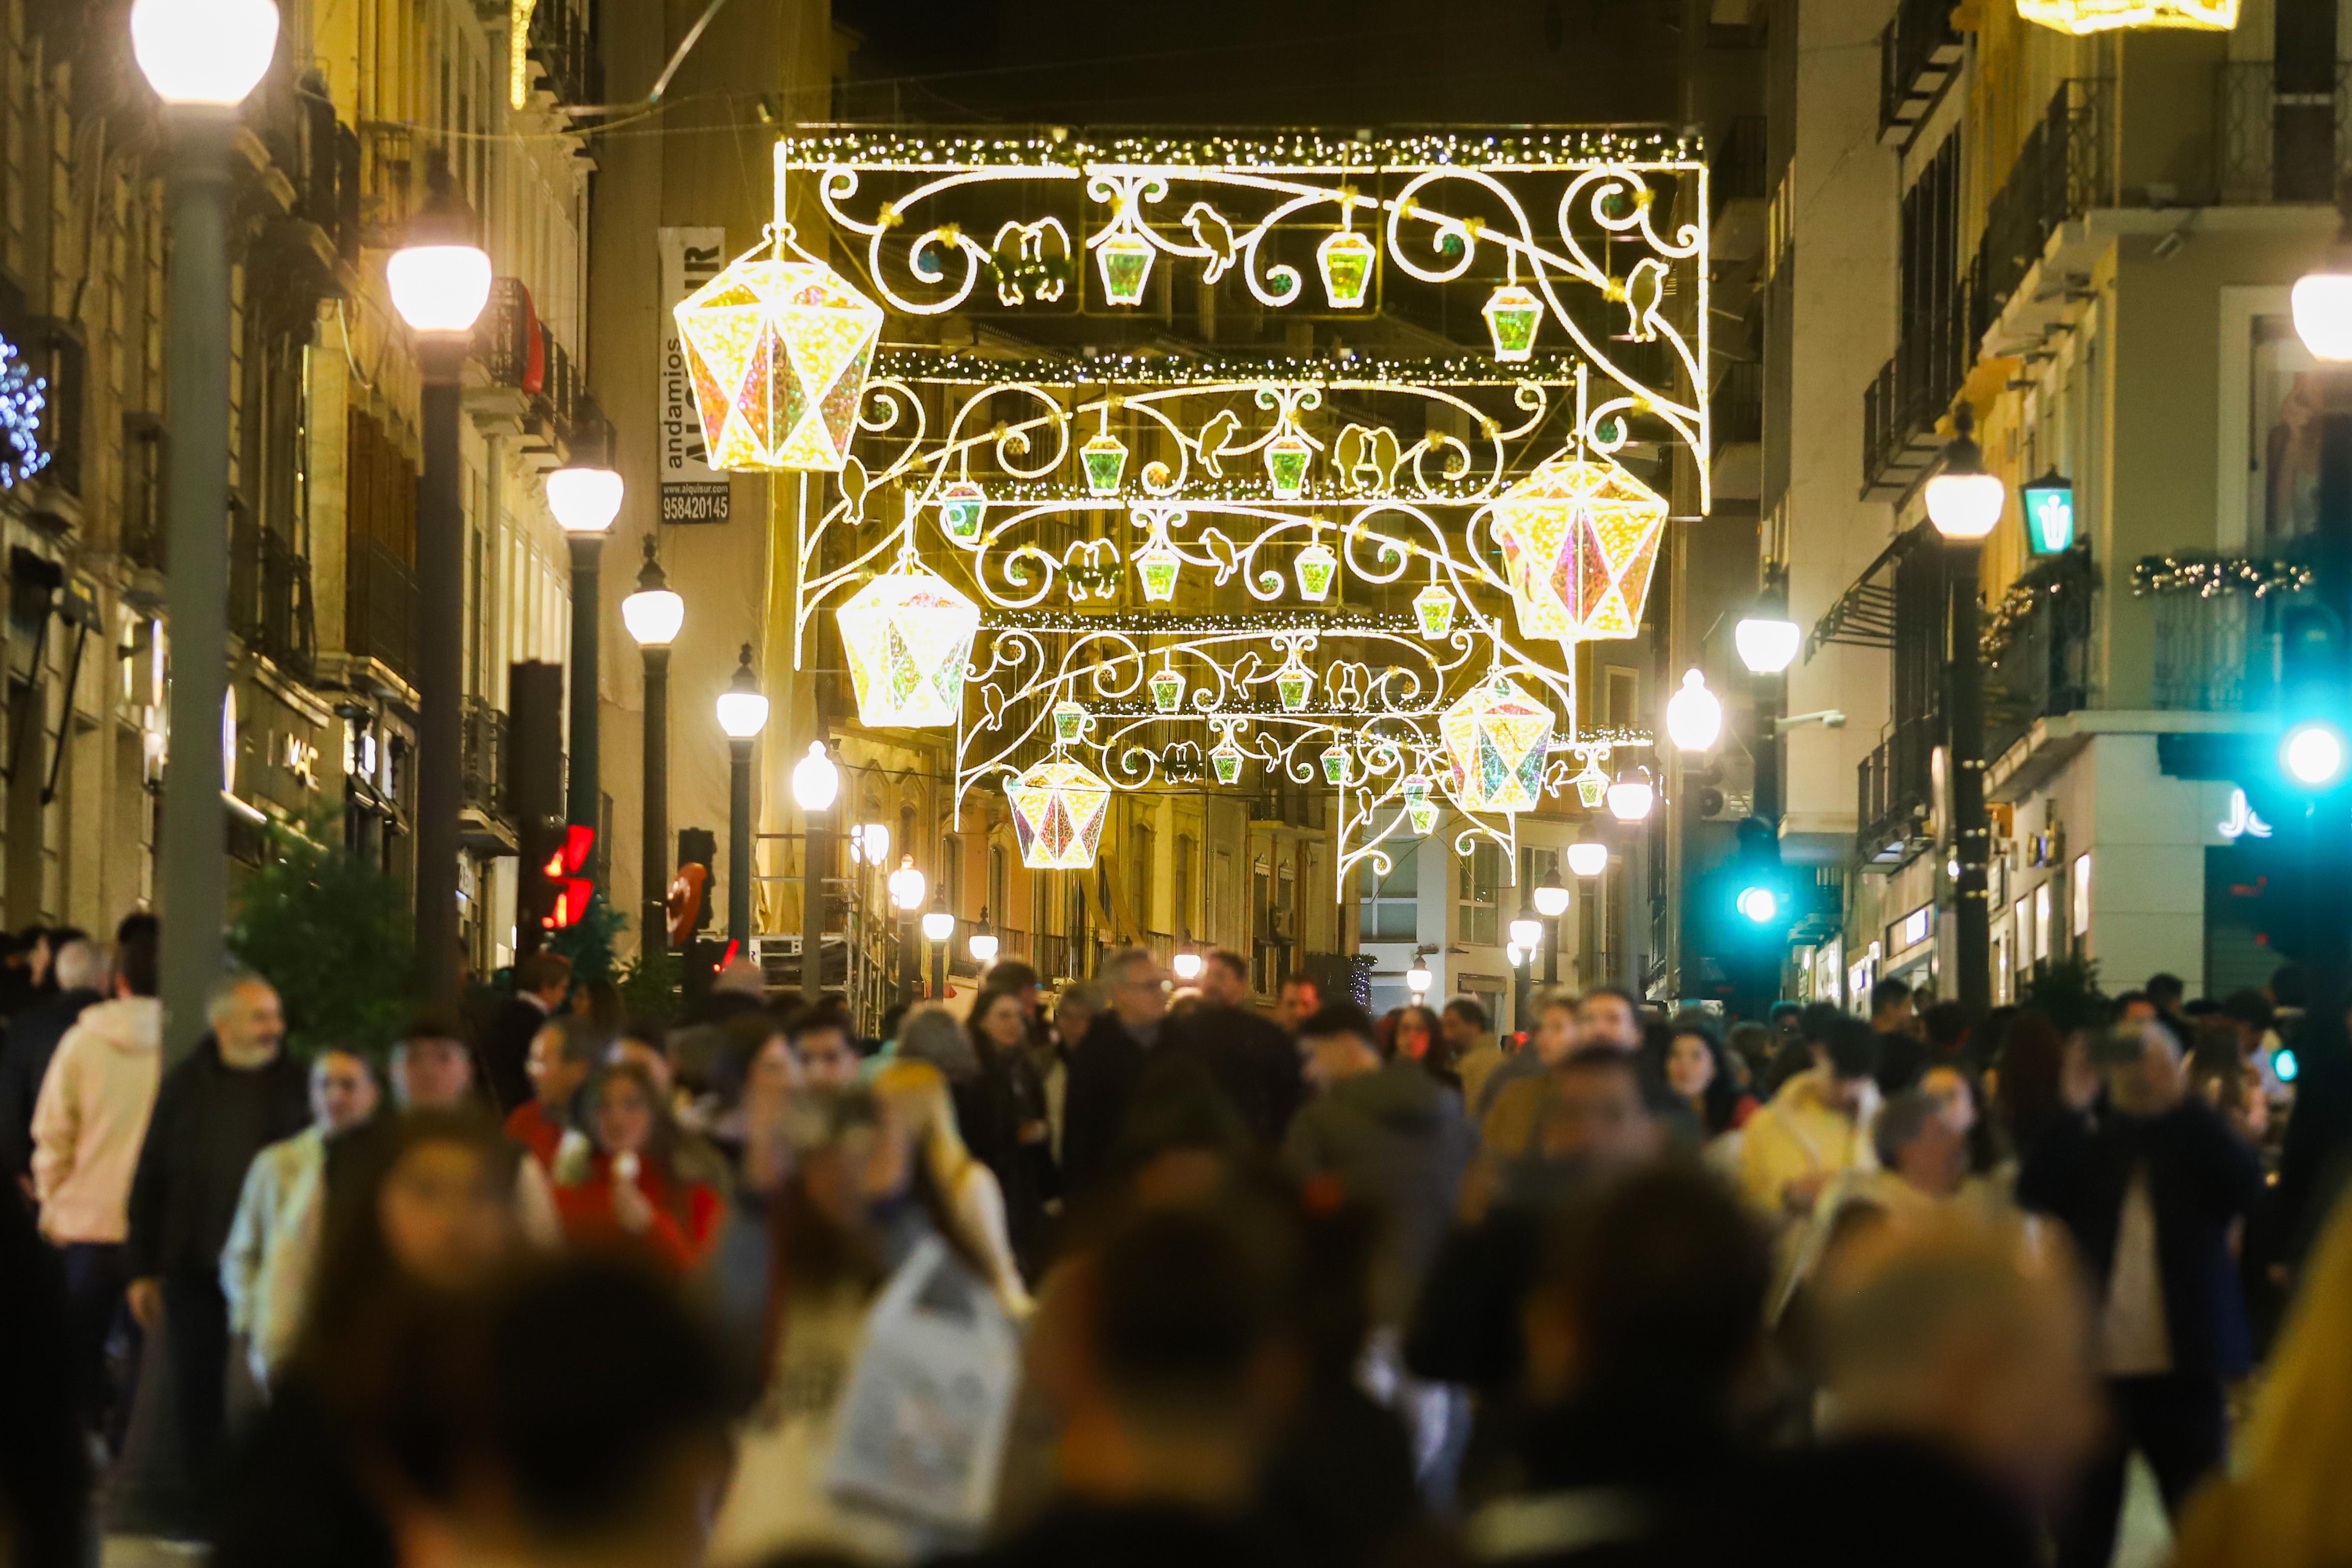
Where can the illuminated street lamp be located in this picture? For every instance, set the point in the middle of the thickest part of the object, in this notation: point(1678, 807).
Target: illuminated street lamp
point(201, 57)
point(983, 943)
point(1694, 715)
point(1768, 640)
point(1965, 503)
point(584, 500)
point(815, 782)
point(939, 930)
point(1418, 978)
point(1552, 902)
point(1588, 857)
point(1528, 929)
point(743, 714)
point(1632, 796)
point(1187, 963)
point(439, 281)
point(2321, 301)
point(653, 615)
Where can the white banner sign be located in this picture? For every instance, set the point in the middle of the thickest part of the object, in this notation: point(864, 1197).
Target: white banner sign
point(691, 490)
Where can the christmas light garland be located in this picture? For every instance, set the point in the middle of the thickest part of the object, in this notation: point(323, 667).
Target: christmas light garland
point(23, 396)
point(1515, 148)
point(1350, 370)
point(2207, 575)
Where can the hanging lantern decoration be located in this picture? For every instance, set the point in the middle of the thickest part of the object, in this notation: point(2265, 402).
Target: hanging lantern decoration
point(2049, 505)
point(1315, 568)
point(1419, 808)
point(1591, 785)
point(777, 351)
point(1293, 684)
point(1105, 457)
point(2081, 16)
point(1167, 689)
point(1335, 763)
point(1157, 565)
point(1058, 808)
point(1511, 313)
point(1434, 608)
point(1287, 456)
point(1345, 258)
point(1578, 542)
point(1124, 259)
point(1226, 757)
point(1495, 738)
point(908, 636)
point(963, 507)
point(1069, 720)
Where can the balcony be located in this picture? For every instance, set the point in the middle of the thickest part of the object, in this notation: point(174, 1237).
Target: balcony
point(269, 597)
point(2274, 146)
point(564, 45)
point(1736, 169)
point(380, 608)
point(485, 817)
point(1895, 784)
point(1910, 393)
point(1919, 54)
point(2037, 649)
point(2218, 652)
point(521, 355)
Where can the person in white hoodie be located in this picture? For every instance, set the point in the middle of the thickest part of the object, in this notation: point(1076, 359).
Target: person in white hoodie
point(87, 1124)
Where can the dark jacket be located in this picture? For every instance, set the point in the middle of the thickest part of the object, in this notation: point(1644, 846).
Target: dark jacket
point(1076, 1534)
point(2201, 1178)
point(210, 1120)
point(1251, 1061)
point(506, 1053)
point(1394, 1138)
point(33, 1037)
point(1867, 1501)
point(1100, 1086)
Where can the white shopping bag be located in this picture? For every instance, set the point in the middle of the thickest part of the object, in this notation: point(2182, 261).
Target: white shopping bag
point(921, 1430)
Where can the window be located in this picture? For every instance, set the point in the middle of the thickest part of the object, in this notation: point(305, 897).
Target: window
point(1620, 698)
point(1138, 873)
point(2082, 894)
point(1480, 896)
point(1389, 906)
point(1000, 894)
point(1180, 885)
point(2041, 921)
point(2021, 946)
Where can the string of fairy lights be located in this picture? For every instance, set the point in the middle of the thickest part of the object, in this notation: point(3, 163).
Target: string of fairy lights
point(1114, 570)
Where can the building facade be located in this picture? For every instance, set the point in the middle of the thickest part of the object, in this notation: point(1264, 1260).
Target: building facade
point(2089, 244)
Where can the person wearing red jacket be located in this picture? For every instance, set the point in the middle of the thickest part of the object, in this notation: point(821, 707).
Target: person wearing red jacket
point(630, 1196)
point(562, 1054)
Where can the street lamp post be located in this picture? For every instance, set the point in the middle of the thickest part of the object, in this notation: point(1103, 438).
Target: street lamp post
point(908, 885)
point(439, 281)
point(586, 501)
point(939, 930)
point(743, 714)
point(202, 59)
point(815, 782)
point(1767, 640)
point(1527, 936)
point(1965, 503)
point(1552, 903)
point(654, 614)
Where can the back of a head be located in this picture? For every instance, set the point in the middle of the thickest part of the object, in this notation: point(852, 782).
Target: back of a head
point(80, 967)
point(930, 1033)
point(139, 922)
point(1468, 1010)
point(1663, 1275)
point(600, 1382)
point(1850, 1047)
point(1888, 994)
point(1903, 1118)
point(542, 971)
point(1948, 1026)
point(1184, 1304)
point(1012, 975)
point(2166, 990)
point(1342, 1019)
point(138, 963)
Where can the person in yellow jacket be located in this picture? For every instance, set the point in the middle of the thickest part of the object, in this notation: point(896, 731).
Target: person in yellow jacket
point(1818, 1126)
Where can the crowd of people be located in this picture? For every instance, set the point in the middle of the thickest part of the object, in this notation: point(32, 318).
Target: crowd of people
point(1140, 1273)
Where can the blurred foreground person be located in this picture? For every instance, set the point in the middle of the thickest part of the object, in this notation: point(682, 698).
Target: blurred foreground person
point(2150, 1184)
point(1165, 1353)
point(263, 1313)
point(2286, 1505)
point(1642, 1323)
point(914, 1096)
point(1961, 1404)
point(1107, 1066)
point(45, 1457)
point(235, 1095)
point(32, 1041)
point(418, 1230)
point(542, 983)
point(89, 1125)
point(632, 1196)
point(1817, 1126)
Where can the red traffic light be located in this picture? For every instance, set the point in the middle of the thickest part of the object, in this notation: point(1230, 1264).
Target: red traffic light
point(572, 897)
point(572, 853)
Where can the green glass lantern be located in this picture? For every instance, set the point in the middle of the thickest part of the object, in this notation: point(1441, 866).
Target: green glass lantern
point(1345, 258)
point(1124, 259)
point(963, 507)
point(1292, 684)
point(1423, 815)
point(1226, 758)
point(2050, 514)
point(1416, 790)
point(1069, 720)
point(1335, 763)
point(1105, 457)
point(1511, 315)
point(1286, 463)
point(1157, 566)
point(1591, 785)
point(1167, 689)
point(1315, 568)
point(1434, 608)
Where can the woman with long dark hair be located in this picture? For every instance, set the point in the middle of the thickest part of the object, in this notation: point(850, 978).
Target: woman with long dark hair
point(420, 1226)
point(1691, 1062)
point(632, 1194)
